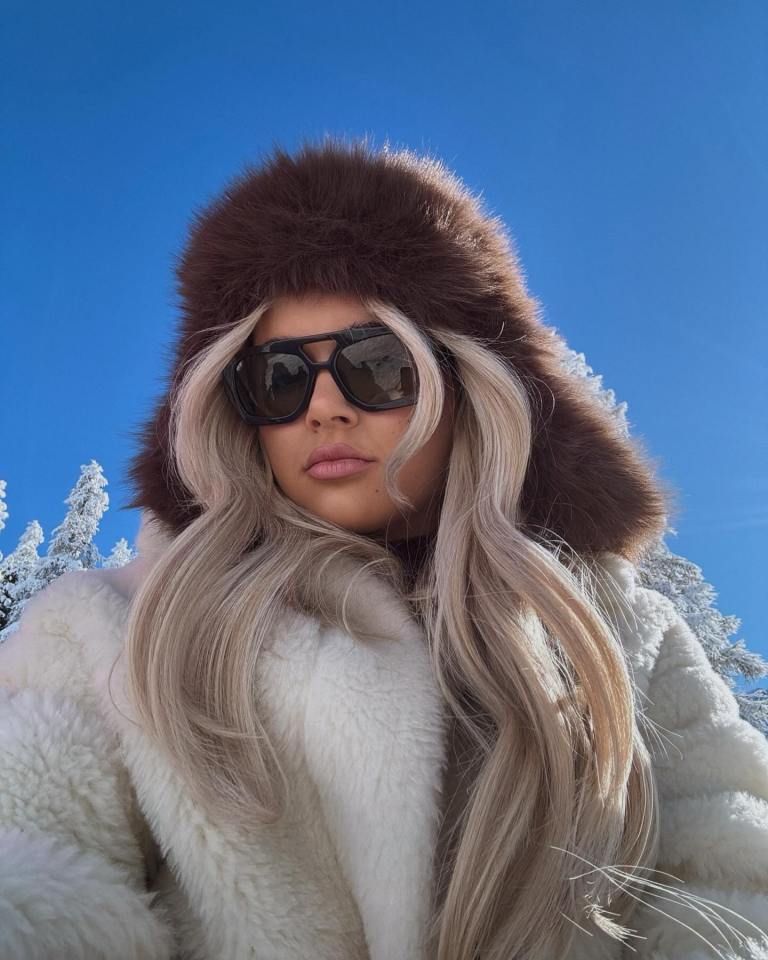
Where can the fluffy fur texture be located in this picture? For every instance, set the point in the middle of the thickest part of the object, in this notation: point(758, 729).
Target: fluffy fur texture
point(87, 803)
point(342, 218)
point(57, 900)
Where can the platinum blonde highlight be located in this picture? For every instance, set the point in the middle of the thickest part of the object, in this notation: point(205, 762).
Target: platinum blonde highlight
point(531, 667)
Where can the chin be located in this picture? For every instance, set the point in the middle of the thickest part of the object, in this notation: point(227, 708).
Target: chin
point(355, 526)
point(333, 506)
point(354, 523)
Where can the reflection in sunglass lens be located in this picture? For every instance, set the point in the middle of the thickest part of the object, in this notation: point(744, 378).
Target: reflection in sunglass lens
point(272, 384)
point(377, 370)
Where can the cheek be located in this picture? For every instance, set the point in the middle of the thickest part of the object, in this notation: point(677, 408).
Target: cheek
point(426, 470)
point(387, 427)
point(278, 446)
point(430, 463)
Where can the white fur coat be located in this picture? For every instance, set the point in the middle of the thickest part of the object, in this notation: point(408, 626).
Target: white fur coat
point(103, 855)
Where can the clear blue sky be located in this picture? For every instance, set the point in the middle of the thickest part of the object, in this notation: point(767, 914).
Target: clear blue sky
point(624, 144)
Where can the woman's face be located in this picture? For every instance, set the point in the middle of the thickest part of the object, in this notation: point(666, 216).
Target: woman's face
point(358, 502)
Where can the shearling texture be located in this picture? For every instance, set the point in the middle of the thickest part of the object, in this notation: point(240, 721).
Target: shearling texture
point(347, 875)
point(60, 901)
point(72, 877)
point(712, 776)
point(346, 218)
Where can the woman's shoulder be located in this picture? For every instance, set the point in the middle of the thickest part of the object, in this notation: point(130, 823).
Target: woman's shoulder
point(60, 629)
point(641, 616)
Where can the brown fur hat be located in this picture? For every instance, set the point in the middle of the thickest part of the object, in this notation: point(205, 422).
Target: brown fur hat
point(348, 218)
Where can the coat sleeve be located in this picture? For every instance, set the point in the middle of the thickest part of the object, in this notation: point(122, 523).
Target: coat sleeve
point(73, 874)
point(711, 770)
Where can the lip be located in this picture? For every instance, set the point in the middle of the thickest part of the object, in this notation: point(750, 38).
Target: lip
point(333, 469)
point(334, 451)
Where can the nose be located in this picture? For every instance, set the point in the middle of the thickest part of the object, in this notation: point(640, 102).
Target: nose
point(327, 402)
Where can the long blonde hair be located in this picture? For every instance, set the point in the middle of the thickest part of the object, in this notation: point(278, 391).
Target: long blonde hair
point(532, 669)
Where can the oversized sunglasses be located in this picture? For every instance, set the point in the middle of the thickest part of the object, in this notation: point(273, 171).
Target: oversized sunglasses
point(272, 383)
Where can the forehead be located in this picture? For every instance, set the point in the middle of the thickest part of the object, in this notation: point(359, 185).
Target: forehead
point(293, 317)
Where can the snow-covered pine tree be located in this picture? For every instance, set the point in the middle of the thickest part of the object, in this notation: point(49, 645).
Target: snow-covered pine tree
point(72, 546)
point(17, 569)
point(6, 579)
point(24, 572)
point(121, 554)
point(3, 508)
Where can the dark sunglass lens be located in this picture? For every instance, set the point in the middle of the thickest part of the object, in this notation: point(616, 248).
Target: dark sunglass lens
point(378, 370)
point(272, 384)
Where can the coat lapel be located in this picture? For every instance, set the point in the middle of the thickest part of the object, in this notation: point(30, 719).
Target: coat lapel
point(374, 740)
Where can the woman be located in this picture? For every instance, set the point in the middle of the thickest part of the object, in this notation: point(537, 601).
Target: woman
point(410, 702)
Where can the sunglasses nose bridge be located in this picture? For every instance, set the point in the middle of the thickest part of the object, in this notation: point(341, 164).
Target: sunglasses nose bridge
point(315, 368)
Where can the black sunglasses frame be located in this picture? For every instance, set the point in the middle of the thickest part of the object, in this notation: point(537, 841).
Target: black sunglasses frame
point(293, 346)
